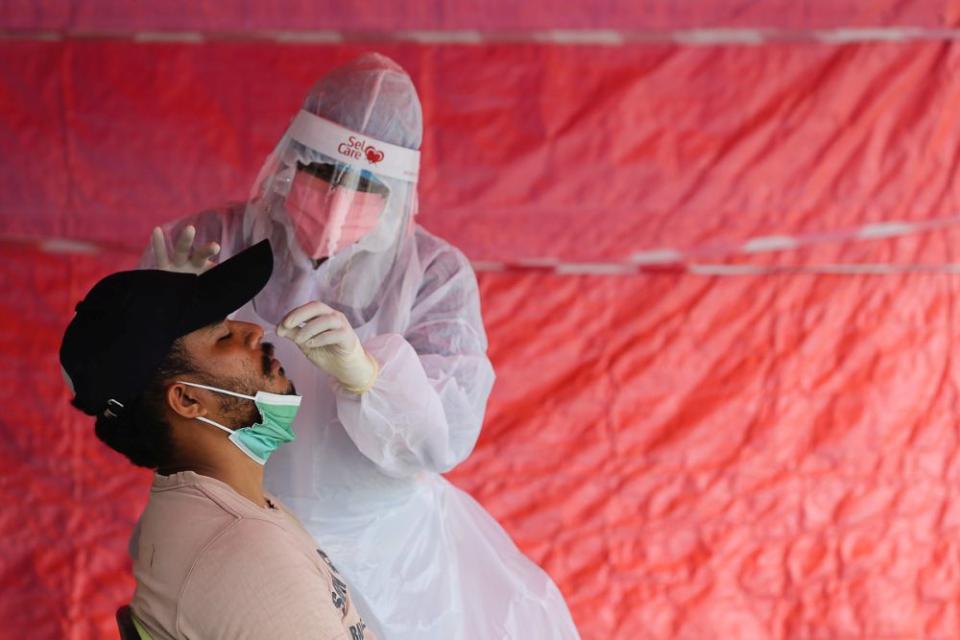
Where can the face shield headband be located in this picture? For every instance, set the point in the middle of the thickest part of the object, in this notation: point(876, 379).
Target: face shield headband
point(349, 147)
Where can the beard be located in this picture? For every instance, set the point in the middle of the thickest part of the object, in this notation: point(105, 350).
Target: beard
point(239, 412)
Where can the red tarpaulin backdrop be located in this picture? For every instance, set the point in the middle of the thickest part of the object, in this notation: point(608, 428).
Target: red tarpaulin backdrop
point(771, 455)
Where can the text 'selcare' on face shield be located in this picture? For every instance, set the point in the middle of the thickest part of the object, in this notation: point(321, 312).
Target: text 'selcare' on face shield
point(338, 194)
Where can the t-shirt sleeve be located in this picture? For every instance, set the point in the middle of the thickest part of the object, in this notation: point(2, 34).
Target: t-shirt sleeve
point(251, 582)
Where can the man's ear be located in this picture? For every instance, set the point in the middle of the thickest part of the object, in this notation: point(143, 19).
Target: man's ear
point(184, 400)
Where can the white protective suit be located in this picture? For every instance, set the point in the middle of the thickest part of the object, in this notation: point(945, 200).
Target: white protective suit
point(424, 559)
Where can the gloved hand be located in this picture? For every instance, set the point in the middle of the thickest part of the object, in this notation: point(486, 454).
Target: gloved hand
point(327, 339)
point(182, 261)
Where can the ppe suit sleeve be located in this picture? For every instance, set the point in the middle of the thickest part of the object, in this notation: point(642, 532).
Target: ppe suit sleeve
point(426, 408)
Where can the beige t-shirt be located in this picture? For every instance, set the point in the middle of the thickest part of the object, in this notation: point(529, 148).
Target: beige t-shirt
point(211, 564)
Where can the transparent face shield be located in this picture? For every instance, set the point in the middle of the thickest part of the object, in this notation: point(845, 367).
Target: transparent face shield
point(336, 187)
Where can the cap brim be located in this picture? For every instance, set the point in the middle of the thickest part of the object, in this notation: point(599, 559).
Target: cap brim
point(228, 286)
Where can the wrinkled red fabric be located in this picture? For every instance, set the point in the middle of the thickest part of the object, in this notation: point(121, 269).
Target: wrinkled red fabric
point(575, 153)
point(687, 456)
point(492, 15)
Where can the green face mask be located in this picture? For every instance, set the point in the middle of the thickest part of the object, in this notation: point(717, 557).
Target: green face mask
point(260, 439)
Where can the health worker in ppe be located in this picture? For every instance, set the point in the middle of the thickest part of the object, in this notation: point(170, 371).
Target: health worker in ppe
point(386, 343)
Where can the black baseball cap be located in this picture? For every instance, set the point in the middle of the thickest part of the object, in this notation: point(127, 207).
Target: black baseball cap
point(127, 323)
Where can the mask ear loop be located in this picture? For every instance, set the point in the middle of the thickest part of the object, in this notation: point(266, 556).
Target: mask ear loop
point(215, 424)
point(229, 393)
point(216, 390)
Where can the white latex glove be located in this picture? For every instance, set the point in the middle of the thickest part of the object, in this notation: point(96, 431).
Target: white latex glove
point(327, 339)
point(182, 261)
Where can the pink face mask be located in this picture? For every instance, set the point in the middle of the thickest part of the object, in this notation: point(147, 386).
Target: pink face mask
point(326, 219)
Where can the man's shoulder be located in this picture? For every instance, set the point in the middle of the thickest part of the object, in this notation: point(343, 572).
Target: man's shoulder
point(207, 555)
point(256, 536)
point(202, 548)
point(255, 572)
point(238, 524)
point(186, 508)
point(187, 512)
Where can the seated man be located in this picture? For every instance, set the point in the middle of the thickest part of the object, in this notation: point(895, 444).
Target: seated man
point(177, 387)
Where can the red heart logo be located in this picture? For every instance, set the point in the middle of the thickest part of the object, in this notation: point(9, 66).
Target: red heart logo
point(374, 155)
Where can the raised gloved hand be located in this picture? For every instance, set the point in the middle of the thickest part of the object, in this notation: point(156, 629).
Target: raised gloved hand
point(182, 261)
point(327, 339)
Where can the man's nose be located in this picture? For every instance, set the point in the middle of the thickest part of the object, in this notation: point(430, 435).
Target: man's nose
point(252, 334)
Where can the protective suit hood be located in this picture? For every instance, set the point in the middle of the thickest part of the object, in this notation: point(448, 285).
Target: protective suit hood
point(364, 120)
